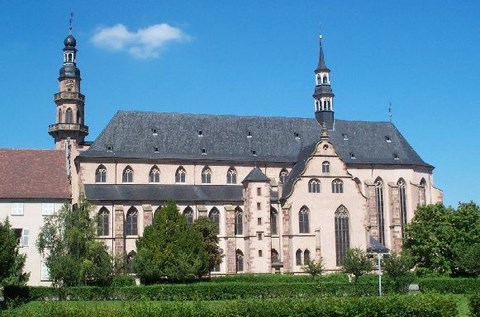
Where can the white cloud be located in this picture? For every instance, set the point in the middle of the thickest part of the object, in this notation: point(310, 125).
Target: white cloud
point(143, 43)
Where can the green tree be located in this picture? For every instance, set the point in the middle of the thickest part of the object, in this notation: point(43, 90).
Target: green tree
point(169, 249)
point(438, 237)
point(356, 263)
point(314, 268)
point(209, 232)
point(398, 267)
point(73, 255)
point(11, 261)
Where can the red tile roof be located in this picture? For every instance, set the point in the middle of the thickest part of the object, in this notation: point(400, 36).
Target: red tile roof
point(33, 174)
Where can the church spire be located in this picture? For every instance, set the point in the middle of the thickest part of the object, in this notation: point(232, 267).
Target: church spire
point(70, 103)
point(323, 94)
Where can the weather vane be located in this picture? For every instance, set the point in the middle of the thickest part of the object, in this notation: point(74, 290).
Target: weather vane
point(71, 21)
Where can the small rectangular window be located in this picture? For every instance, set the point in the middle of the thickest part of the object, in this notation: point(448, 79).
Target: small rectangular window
point(44, 272)
point(47, 209)
point(25, 237)
point(260, 253)
point(260, 236)
point(259, 191)
point(259, 206)
point(17, 209)
point(259, 221)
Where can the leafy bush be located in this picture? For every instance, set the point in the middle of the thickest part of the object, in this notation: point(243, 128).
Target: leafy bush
point(475, 305)
point(123, 280)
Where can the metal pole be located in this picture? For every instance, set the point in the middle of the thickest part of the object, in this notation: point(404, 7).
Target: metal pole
point(379, 257)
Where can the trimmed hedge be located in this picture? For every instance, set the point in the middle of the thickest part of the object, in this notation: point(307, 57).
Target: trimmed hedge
point(448, 285)
point(207, 291)
point(388, 306)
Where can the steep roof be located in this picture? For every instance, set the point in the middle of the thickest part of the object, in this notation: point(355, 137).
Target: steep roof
point(151, 135)
point(156, 192)
point(256, 175)
point(33, 174)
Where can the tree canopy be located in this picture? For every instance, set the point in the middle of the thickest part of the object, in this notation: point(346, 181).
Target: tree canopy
point(445, 240)
point(169, 249)
point(11, 261)
point(73, 255)
point(356, 263)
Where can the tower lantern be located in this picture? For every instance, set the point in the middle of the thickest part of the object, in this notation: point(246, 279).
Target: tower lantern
point(323, 94)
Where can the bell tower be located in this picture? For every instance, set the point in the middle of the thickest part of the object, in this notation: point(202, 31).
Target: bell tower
point(323, 94)
point(70, 103)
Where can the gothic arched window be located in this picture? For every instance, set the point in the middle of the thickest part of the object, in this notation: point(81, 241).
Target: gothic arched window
point(188, 213)
point(206, 175)
point(422, 199)
point(69, 116)
point(283, 176)
point(238, 221)
point(129, 261)
point(180, 175)
point(325, 167)
point(273, 221)
point(342, 234)
point(380, 210)
point(231, 176)
point(403, 204)
point(214, 216)
point(314, 186)
point(337, 186)
point(127, 176)
point(303, 221)
point(101, 174)
point(275, 256)
point(239, 261)
point(298, 257)
point(154, 175)
point(103, 223)
point(306, 257)
point(131, 223)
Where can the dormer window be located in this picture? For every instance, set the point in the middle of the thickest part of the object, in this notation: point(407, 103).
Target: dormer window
point(254, 153)
point(249, 134)
point(387, 138)
point(345, 137)
point(200, 133)
point(109, 148)
point(204, 151)
point(154, 131)
point(296, 135)
point(155, 149)
point(352, 156)
point(396, 157)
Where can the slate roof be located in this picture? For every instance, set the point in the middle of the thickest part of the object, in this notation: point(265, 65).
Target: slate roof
point(153, 135)
point(256, 175)
point(33, 174)
point(154, 192)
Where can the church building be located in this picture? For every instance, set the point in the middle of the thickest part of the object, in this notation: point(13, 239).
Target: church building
point(282, 191)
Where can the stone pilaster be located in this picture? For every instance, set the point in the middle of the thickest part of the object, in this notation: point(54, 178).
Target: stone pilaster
point(372, 222)
point(147, 215)
point(286, 238)
point(396, 223)
point(119, 234)
point(318, 245)
point(230, 233)
point(202, 211)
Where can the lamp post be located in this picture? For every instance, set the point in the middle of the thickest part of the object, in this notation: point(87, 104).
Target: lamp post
point(380, 250)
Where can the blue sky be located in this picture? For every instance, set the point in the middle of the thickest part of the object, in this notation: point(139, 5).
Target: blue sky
point(256, 58)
